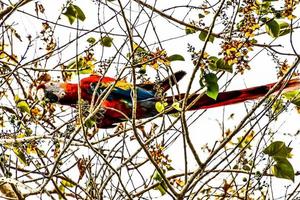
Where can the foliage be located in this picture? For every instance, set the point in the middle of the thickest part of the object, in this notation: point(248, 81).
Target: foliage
point(280, 152)
point(58, 152)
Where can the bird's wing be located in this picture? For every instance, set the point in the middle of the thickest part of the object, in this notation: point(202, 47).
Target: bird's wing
point(121, 90)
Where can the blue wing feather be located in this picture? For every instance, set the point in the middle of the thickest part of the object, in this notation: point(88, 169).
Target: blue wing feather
point(142, 94)
point(119, 93)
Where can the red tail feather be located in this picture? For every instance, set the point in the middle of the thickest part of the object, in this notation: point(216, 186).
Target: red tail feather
point(236, 96)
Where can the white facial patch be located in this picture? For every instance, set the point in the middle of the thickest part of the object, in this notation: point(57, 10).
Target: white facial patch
point(55, 88)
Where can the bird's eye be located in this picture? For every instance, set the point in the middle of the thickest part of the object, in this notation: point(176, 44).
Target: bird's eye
point(51, 83)
point(62, 94)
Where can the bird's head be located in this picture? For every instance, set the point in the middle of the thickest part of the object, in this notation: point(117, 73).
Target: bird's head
point(57, 92)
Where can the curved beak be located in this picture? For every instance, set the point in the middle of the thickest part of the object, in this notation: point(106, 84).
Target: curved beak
point(51, 97)
point(47, 93)
point(53, 91)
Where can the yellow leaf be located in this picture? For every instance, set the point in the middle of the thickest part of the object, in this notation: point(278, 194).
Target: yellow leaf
point(254, 27)
point(176, 105)
point(163, 52)
point(250, 136)
point(235, 60)
point(90, 64)
point(160, 107)
point(231, 50)
point(31, 149)
point(21, 135)
point(135, 46)
point(167, 63)
point(155, 66)
point(2, 55)
point(247, 34)
point(179, 182)
point(290, 17)
point(23, 106)
point(21, 156)
point(67, 183)
point(17, 98)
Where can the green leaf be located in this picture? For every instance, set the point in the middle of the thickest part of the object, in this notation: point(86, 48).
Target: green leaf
point(74, 12)
point(264, 7)
point(213, 66)
point(201, 15)
point(90, 123)
point(246, 167)
point(283, 169)
point(277, 106)
point(156, 176)
point(169, 167)
point(212, 63)
point(106, 41)
point(79, 13)
point(253, 41)
point(284, 28)
point(293, 96)
point(143, 69)
point(203, 36)
point(161, 189)
point(213, 59)
point(138, 48)
point(280, 152)
point(83, 66)
point(272, 28)
point(70, 14)
point(189, 30)
point(224, 66)
point(217, 64)
point(176, 57)
point(212, 85)
point(175, 115)
point(23, 106)
point(91, 40)
point(278, 149)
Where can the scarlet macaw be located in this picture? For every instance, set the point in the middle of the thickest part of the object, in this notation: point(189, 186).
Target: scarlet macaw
point(119, 101)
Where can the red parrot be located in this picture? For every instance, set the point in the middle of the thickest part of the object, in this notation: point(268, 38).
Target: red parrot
point(117, 107)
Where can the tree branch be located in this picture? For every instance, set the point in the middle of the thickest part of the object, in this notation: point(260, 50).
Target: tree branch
point(10, 9)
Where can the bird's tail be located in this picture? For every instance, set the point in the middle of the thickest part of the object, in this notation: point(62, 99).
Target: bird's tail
point(172, 80)
point(235, 96)
point(166, 83)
